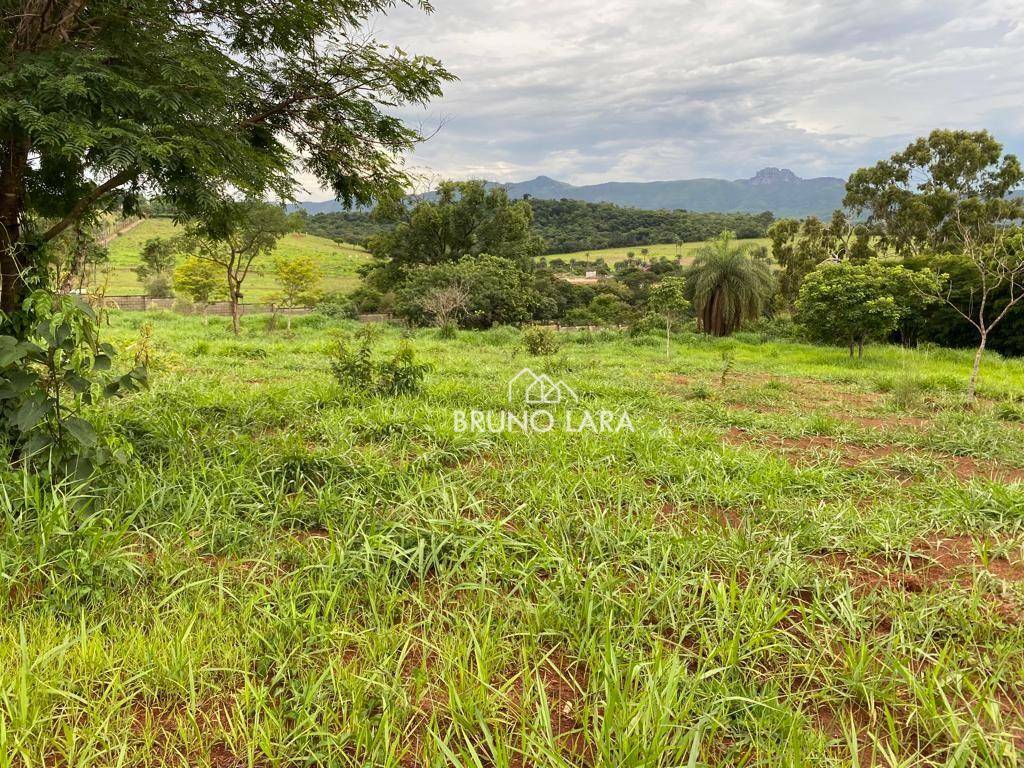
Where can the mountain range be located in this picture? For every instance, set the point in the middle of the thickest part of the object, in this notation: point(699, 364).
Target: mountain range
point(771, 189)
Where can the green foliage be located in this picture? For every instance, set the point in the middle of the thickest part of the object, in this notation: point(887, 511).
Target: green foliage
point(357, 366)
point(568, 226)
point(113, 99)
point(356, 227)
point(47, 380)
point(236, 238)
point(940, 191)
point(539, 341)
point(200, 280)
point(844, 303)
point(299, 277)
point(499, 291)
point(337, 306)
point(798, 247)
point(463, 221)
point(728, 286)
point(156, 265)
point(368, 299)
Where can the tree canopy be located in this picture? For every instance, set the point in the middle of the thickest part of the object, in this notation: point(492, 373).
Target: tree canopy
point(465, 219)
point(103, 101)
point(939, 190)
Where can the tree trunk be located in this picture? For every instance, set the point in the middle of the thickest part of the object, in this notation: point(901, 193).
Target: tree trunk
point(851, 348)
point(668, 338)
point(860, 349)
point(13, 261)
point(973, 385)
point(235, 324)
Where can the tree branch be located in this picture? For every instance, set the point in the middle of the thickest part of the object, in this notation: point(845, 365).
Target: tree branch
point(85, 203)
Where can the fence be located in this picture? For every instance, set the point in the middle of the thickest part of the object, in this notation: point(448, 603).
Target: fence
point(146, 303)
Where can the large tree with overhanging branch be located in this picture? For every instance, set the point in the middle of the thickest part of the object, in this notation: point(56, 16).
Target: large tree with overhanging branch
point(105, 101)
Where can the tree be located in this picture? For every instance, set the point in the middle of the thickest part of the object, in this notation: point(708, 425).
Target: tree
point(798, 247)
point(463, 219)
point(445, 303)
point(103, 100)
point(201, 280)
point(299, 277)
point(500, 291)
point(234, 238)
point(727, 286)
point(156, 265)
point(952, 193)
point(668, 299)
point(845, 303)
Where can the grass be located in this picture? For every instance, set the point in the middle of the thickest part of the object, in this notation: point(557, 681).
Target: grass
point(664, 250)
point(337, 261)
point(783, 564)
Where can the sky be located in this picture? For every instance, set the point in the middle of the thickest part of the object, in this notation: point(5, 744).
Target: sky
point(587, 91)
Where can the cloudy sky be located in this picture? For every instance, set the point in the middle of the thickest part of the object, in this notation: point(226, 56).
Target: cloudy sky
point(637, 90)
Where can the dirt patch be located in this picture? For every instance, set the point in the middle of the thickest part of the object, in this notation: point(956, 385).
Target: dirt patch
point(162, 723)
point(726, 517)
point(853, 455)
point(929, 564)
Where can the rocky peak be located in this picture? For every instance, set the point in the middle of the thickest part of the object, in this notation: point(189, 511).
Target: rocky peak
point(773, 176)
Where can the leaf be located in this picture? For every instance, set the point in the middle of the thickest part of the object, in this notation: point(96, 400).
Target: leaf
point(81, 430)
point(101, 362)
point(11, 351)
point(31, 412)
point(17, 383)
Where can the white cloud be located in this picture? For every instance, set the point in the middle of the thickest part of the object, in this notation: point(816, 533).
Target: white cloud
point(663, 89)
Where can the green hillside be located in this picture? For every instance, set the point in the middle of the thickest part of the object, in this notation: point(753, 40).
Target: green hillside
point(663, 250)
point(338, 261)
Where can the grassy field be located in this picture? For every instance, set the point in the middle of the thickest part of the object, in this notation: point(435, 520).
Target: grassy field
point(338, 262)
point(664, 250)
point(794, 559)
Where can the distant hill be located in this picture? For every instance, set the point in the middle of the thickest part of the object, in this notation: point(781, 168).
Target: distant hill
point(779, 191)
point(771, 189)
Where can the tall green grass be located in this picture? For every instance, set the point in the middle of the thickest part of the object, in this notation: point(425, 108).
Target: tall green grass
point(287, 574)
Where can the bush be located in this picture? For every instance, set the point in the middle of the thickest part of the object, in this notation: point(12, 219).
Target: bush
point(367, 299)
point(540, 341)
point(337, 306)
point(646, 325)
point(160, 287)
point(357, 367)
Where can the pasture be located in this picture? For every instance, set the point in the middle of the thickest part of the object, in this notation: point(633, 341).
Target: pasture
point(654, 252)
point(794, 559)
point(338, 262)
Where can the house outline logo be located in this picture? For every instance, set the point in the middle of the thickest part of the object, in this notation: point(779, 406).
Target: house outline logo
point(540, 389)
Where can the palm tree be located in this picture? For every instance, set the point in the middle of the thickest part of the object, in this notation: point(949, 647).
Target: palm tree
point(729, 286)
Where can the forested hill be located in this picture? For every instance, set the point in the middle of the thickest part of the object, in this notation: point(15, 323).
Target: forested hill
point(568, 226)
point(571, 225)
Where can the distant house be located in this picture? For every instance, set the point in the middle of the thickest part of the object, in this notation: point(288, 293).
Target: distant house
point(591, 274)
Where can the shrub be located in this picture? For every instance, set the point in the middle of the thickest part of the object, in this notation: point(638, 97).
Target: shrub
point(367, 299)
point(357, 367)
point(337, 306)
point(540, 341)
